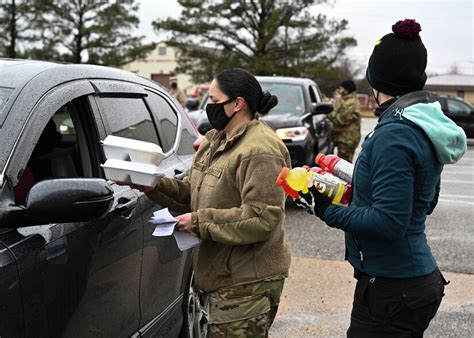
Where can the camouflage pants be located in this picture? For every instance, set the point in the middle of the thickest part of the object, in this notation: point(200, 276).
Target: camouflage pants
point(346, 151)
point(246, 310)
point(346, 143)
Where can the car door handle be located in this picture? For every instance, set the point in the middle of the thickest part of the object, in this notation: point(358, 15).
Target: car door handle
point(179, 174)
point(125, 206)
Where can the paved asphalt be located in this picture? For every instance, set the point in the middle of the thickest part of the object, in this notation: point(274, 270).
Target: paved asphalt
point(450, 231)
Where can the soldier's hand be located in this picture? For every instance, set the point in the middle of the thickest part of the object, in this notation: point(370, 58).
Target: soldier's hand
point(184, 222)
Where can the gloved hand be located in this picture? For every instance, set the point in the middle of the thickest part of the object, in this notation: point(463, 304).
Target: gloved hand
point(303, 204)
point(318, 202)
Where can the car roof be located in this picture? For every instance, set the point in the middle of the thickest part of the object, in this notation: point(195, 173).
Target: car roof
point(17, 73)
point(31, 79)
point(286, 79)
point(457, 98)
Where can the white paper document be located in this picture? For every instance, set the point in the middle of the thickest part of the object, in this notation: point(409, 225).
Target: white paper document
point(164, 221)
point(185, 240)
point(164, 229)
point(162, 216)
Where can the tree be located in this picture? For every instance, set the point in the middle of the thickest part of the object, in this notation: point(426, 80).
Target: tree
point(96, 32)
point(17, 19)
point(264, 36)
point(343, 69)
point(454, 69)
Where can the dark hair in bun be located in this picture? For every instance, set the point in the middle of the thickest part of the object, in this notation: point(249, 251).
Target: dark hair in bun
point(238, 82)
point(267, 102)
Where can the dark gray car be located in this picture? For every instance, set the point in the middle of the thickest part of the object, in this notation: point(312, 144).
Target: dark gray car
point(461, 112)
point(77, 255)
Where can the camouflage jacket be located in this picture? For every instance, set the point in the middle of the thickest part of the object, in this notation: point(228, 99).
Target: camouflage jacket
point(237, 209)
point(346, 113)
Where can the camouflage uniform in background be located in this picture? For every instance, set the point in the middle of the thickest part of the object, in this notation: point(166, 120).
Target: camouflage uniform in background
point(246, 310)
point(346, 120)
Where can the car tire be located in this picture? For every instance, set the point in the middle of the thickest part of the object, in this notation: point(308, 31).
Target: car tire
point(195, 311)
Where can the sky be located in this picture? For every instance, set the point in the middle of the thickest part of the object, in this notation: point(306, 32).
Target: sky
point(447, 26)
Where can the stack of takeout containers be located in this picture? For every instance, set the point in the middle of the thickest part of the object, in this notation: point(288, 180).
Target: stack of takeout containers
point(132, 161)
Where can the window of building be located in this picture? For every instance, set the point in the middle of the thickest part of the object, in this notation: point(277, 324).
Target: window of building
point(161, 50)
point(460, 93)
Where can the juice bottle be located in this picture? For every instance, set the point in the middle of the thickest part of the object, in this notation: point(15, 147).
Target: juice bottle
point(336, 166)
point(296, 178)
point(332, 186)
point(281, 181)
point(300, 179)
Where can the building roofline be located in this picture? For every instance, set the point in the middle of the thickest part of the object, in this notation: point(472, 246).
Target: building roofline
point(447, 87)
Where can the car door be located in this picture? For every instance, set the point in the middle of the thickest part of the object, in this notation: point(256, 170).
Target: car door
point(11, 311)
point(82, 278)
point(321, 123)
point(164, 265)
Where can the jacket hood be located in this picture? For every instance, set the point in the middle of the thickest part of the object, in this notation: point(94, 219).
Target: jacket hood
point(449, 140)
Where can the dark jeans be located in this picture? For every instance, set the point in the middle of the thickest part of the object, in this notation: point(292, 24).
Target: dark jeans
point(386, 307)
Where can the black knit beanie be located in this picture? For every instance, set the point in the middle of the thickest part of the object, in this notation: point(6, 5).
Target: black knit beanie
point(348, 85)
point(397, 64)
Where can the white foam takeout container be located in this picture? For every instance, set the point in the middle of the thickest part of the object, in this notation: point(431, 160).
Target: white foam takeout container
point(132, 172)
point(125, 149)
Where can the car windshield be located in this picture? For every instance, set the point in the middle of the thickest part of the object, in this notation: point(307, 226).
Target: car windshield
point(290, 98)
point(4, 95)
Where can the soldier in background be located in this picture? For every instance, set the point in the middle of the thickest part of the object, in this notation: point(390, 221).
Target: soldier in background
point(178, 93)
point(346, 120)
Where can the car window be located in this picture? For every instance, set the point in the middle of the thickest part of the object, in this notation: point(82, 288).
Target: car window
point(188, 136)
point(312, 94)
point(58, 153)
point(290, 98)
point(4, 95)
point(166, 117)
point(64, 123)
point(203, 103)
point(129, 117)
point(458, 108)
point(317, 91)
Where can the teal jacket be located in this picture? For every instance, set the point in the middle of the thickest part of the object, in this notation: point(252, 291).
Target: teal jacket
point(396, 184)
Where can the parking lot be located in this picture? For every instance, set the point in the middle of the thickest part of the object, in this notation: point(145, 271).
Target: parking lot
point(318, 294)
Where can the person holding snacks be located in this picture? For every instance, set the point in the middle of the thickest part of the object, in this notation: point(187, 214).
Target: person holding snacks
point(230, 201)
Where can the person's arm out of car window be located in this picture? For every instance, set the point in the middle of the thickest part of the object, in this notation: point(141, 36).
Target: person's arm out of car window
point(260, 212)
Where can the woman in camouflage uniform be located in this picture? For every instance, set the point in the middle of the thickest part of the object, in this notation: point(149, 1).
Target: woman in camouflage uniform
point(231, 202)
point(346, 120)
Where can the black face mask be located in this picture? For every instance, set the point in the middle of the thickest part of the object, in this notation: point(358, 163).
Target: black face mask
point(217, 116)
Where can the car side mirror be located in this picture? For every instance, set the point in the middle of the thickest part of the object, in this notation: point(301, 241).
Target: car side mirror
point(321, 108)
point(62, 200)
point(203, 126)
